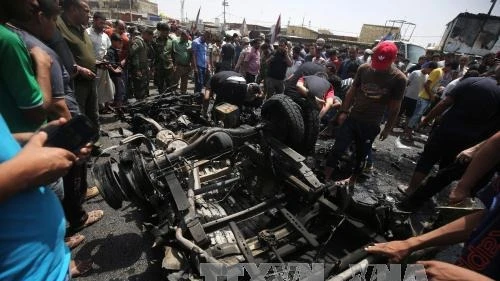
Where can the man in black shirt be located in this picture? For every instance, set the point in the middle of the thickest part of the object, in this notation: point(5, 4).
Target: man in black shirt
point(276, 72)
point(230, 87)
point(473, 116)
point(305, 69)
point(227, 56)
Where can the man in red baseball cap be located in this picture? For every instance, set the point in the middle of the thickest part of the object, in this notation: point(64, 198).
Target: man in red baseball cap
point(378, 87)
point(384, 54)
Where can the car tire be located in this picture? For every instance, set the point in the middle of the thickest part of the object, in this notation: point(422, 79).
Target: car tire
point(283, 120)
point(311, 129)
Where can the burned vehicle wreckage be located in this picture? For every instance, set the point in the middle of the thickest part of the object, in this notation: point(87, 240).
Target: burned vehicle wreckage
point(237, 195)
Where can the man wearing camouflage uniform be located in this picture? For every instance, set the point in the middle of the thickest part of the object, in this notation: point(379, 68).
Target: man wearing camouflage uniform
point(139, 65)
point(163, 62)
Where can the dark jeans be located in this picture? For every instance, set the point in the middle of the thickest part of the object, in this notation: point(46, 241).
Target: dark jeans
point(75, 188)
point(408, 107)
point(199, 79)
point(120, 91)
point(361, 133)
point(86, 96)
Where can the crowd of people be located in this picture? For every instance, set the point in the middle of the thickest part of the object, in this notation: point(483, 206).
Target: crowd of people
point(56, 66)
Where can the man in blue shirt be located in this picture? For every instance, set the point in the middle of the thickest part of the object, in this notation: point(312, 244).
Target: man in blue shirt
point(201, 61)
point(33, 225)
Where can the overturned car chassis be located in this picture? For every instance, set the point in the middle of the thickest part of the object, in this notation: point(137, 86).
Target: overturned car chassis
point(231, 196)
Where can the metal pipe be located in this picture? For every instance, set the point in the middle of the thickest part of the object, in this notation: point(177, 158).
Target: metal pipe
point(151, 121)
point(193, 247)
point(242, 214)
point(353, 269)
point(215, 186)
point(192, 187)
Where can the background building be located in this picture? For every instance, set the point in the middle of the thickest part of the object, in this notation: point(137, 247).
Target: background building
point(127, 10)
point(371, 32)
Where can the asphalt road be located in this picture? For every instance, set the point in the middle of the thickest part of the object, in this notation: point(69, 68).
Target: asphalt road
point(121, 248)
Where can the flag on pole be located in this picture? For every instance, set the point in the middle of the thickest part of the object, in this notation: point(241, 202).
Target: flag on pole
point(244, 28)
point(276, 30)
point(194, 26)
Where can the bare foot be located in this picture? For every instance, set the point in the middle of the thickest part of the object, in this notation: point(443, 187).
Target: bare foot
point(73, 241)
point(79, 268)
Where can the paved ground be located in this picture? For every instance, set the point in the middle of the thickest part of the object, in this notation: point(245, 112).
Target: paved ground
point(121, 248)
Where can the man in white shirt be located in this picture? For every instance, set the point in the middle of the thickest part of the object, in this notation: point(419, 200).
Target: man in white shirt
point(101, 43)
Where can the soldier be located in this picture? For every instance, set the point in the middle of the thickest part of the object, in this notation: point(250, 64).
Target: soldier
point(139, 67)
point(163, 61)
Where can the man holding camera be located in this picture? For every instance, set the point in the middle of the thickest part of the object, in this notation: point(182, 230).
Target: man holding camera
point(278, 64)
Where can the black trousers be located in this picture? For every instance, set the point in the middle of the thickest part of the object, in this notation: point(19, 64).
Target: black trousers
point(435, 183)
point(363, 134)
point(75, 188)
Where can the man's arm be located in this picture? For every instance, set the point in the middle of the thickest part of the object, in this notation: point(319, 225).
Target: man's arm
point(485, 159)
point(427, 88)
point(454, 232)
point(330, 103)
point(438, 110)
point(43, 64)
point(301, 88)
point(58, 109)
point(239, 64)
point(288, 59)
point(24, 88)
point(438, 270)
point(35, 164)
point(392, 112)
point(348, 99)
point(194, 47)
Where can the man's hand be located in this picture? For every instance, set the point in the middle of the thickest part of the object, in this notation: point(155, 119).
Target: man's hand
point(466, 155)
point(385, 132)
point(44, 164)
point(84, 153)
point(423, 122)
point(395, 251)
point(40, 57)
point(457, 195)
point(442, 271)
point(86, 73)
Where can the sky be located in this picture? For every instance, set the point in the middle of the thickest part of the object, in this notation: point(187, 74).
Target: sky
point(340, 17)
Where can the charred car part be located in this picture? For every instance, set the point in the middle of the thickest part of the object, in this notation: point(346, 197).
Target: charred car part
point(180, 113)
point(238, 195)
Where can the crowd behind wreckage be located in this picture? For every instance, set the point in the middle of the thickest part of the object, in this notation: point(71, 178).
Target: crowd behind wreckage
point(100, 68)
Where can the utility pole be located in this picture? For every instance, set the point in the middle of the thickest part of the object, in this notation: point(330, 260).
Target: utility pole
point(493, 2)
point(492, 6)
point(130, 9)
point(182, 10)
point(224, 4)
